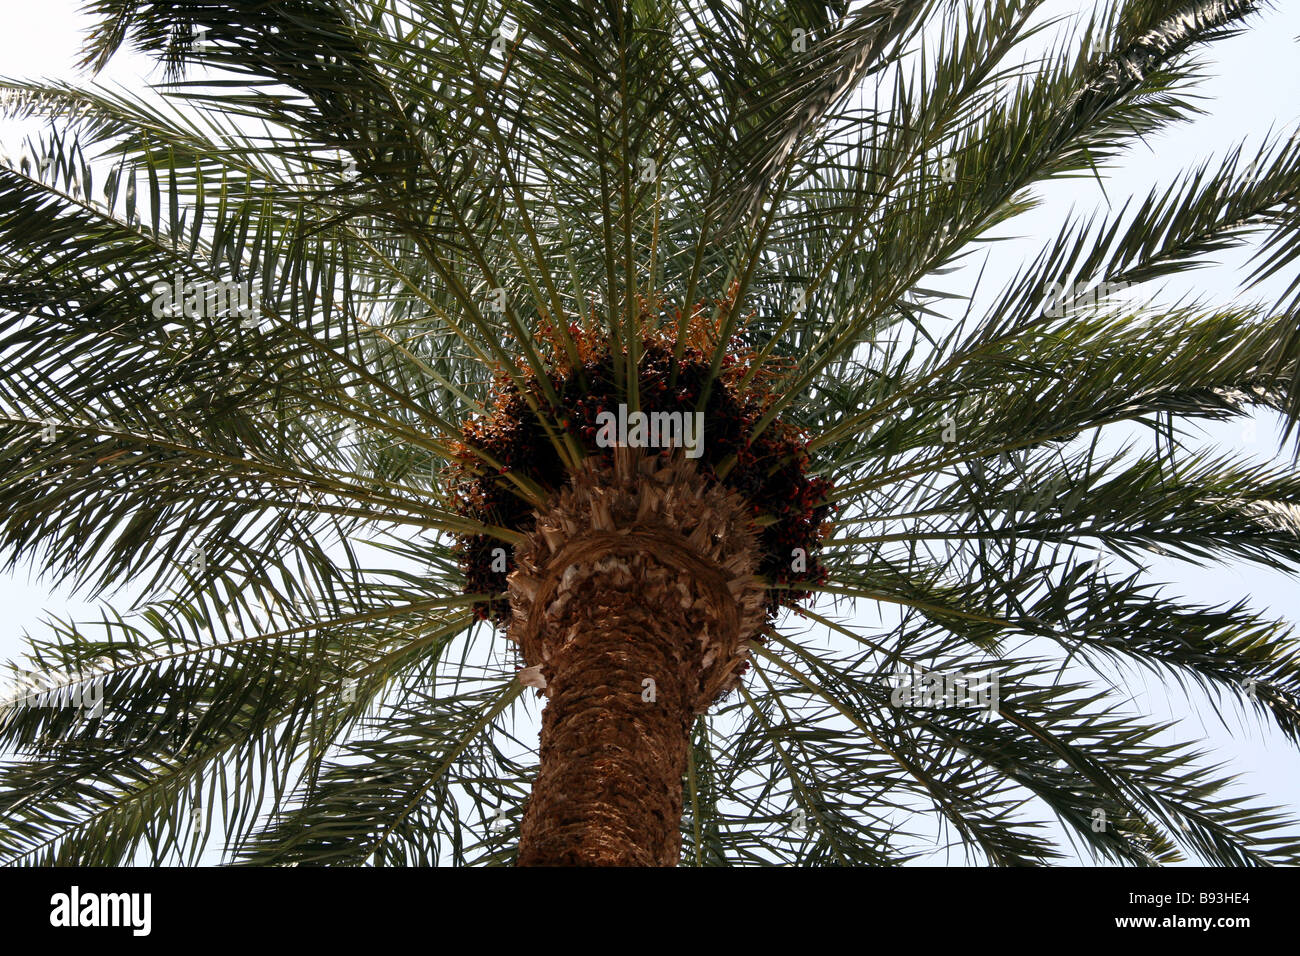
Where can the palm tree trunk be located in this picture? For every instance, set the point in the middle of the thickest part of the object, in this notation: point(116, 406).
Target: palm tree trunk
point(632, 601)
point(614, 736)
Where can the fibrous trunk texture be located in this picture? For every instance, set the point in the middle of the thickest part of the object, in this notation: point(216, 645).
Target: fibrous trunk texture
point(631, 602)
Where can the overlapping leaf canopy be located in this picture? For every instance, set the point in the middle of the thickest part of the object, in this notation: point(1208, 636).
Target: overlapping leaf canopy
point(305, 684)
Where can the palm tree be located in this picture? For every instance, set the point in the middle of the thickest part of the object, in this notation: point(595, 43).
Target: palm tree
point(370, 353)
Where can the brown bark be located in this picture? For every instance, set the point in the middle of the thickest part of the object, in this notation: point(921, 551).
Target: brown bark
point(609, 789)
point(632, 601)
